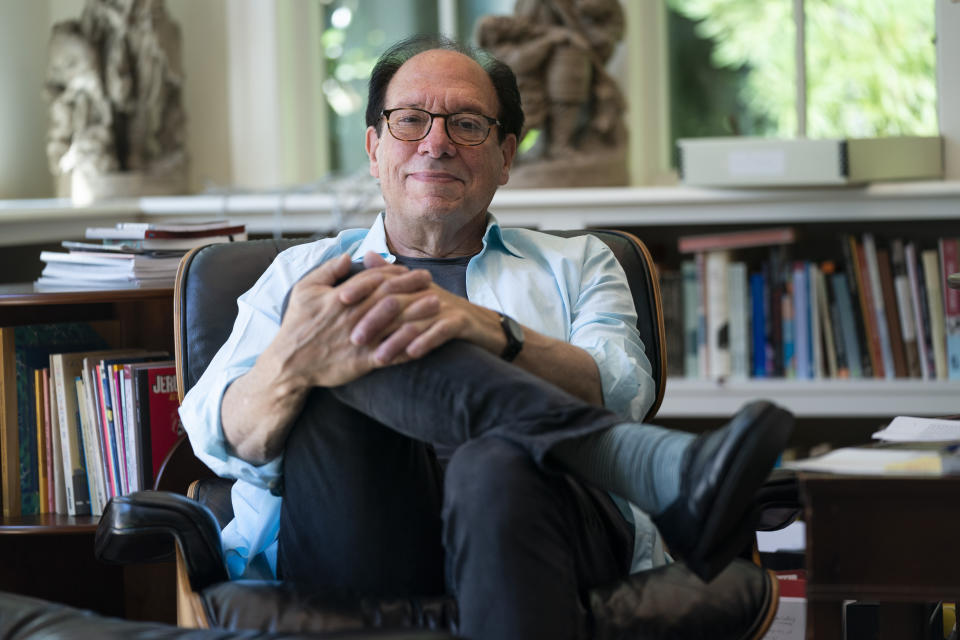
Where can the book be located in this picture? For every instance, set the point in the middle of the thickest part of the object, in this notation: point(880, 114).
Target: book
point(176, 244)
point(846, 317)
point(758, 324)
point(691, 323)
point(938, 336)
point(671, 292)
point(717, 314)
point(875, 301)
point(65, 367)
point(949, 264)
point(60, 492)
point(802, 348)
point(735, 240)
point(43, 487)
point(867, 308)
point(905, 308)
point(91, 446)
point(178, 226)
point(158, 420)
point(919, 309)
point(895, 331)
point(739, 314)
point(816, 330)
point(834, 343)
point(141, 231)
point(788, 343)
point(848, 245)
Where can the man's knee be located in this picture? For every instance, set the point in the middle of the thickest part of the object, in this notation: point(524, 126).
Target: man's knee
point(490, 483)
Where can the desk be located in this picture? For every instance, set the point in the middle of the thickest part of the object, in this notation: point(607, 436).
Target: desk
point(889, 540)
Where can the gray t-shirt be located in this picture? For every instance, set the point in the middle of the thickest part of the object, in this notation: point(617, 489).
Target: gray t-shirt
point(448, 273)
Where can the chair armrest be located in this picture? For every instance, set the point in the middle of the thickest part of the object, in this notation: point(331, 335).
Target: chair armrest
point(141, 526)
point(778, 500)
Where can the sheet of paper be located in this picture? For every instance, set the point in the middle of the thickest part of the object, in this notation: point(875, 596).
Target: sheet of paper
point(909, 429)
point(866, 461)
point(793, 537)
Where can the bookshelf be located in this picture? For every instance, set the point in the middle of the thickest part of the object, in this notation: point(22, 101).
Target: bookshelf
point(51, 556)
point(658, 215)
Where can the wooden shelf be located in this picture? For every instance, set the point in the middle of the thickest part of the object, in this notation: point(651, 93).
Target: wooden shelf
point(49, 523)
point(828, 398)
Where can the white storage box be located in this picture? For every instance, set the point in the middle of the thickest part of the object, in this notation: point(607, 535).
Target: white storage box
point(769, 162)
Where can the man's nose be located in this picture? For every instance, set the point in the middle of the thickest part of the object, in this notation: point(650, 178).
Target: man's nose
point(437, 143)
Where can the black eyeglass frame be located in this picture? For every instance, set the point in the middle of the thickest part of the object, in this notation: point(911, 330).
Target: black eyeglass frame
point(491, 122)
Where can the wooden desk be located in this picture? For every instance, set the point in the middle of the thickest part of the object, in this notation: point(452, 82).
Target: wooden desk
point(888, 540)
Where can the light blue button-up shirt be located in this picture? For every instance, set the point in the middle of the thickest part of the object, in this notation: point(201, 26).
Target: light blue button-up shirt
point(571, 289)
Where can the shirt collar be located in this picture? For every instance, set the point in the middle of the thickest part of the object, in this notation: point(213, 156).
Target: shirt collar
point(376, 240)
point(493, 237)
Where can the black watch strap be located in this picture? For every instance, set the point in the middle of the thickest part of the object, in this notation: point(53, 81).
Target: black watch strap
point(514, 334)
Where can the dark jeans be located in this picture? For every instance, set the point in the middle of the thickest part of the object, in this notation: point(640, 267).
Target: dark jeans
point(367, 510)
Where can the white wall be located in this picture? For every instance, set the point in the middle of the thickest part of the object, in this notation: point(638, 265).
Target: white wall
point(24, 28)
point(203, 27)
point(24, 33)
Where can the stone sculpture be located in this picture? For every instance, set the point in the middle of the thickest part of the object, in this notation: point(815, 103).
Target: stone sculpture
point(558, 50)
point(114, 85)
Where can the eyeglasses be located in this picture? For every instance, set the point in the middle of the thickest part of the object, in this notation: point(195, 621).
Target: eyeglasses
point(465, 129)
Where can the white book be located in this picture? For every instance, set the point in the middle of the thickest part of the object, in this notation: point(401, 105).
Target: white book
point(938, 331)
point(718, 315)
point(739, 320)
point(816, 327)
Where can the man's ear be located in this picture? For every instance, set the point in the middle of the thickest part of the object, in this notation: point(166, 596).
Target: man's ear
point(509, 150)
point(371, 144)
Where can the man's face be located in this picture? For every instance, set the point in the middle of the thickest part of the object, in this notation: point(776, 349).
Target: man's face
point(434, 180)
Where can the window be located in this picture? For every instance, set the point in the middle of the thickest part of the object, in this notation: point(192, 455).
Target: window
point(868, 68)
point(353, 38)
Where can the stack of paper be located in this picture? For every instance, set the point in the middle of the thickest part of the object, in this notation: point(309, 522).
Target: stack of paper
point(131, 254)
point(919, 446)
point(107, 270)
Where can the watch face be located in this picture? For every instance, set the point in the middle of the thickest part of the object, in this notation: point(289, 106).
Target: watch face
point(514, 334)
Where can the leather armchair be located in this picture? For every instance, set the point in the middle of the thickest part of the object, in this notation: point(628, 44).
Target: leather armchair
point(667, 602)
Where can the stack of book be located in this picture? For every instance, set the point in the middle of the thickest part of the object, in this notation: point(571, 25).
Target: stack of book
point(131, 254)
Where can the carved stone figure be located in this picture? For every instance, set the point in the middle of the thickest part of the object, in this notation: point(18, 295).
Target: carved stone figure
point(558, 50)
point(114, 85)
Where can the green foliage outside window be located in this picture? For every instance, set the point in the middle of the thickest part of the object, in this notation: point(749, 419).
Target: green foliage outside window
point(870, 68)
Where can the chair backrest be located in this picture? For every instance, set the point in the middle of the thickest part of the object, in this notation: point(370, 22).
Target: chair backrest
point(211, 278)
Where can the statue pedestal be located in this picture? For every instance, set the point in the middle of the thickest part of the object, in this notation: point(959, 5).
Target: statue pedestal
point(579, 170)
point(84, 188)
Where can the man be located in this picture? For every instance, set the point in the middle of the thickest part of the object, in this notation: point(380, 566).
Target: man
point(335, 391)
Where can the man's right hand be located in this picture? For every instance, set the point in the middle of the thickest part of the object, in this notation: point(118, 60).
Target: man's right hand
point(316, 346)
point(319, 342)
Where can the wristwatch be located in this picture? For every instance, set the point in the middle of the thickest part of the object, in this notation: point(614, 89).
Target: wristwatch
point(514, 333)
